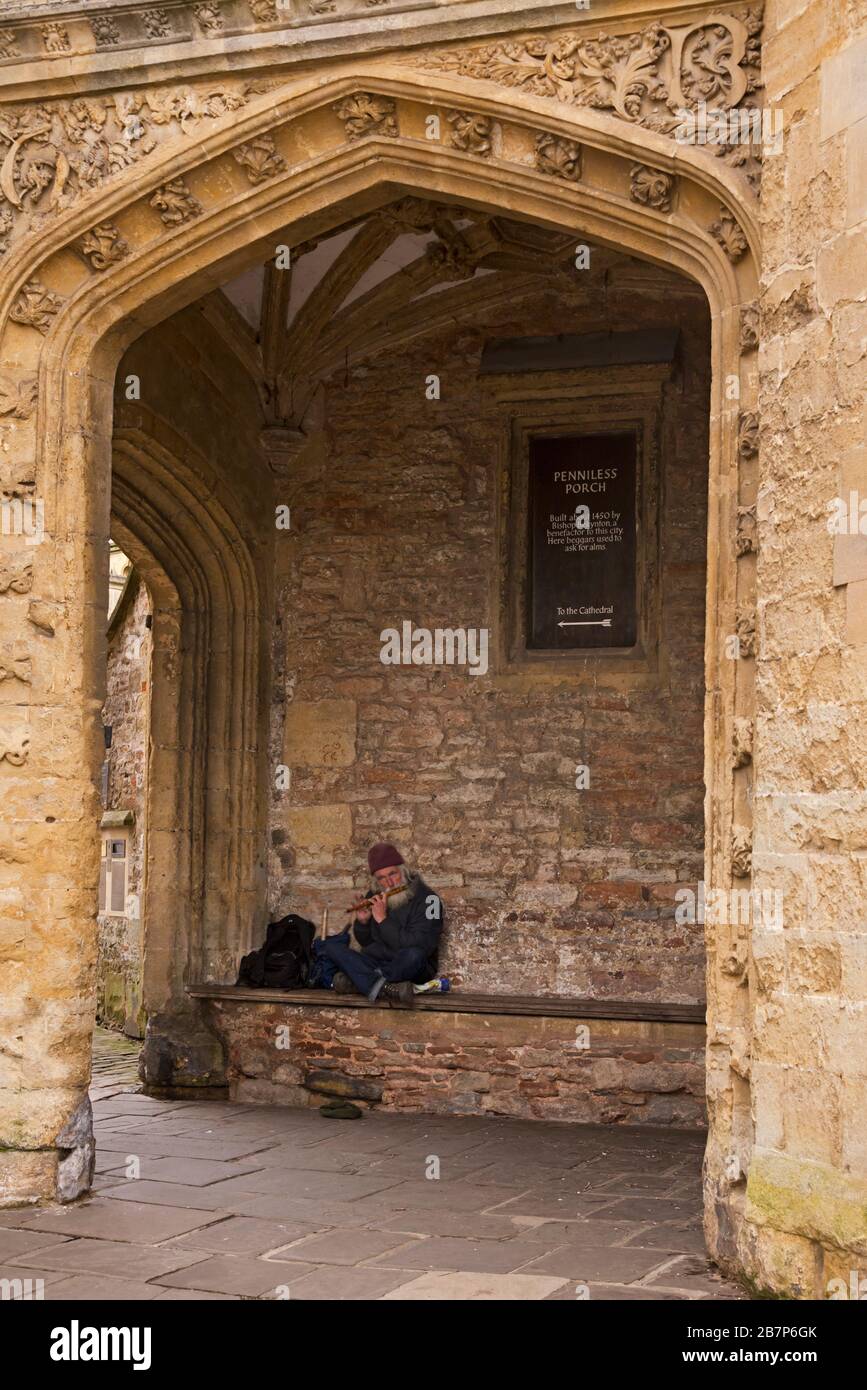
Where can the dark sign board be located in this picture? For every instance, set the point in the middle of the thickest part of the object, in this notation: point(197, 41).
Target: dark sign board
point(582, 542)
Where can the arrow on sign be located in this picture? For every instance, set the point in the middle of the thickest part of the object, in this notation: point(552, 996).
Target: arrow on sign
point(589, 622)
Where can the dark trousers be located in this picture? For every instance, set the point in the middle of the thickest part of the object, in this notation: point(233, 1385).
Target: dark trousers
point(365, 967)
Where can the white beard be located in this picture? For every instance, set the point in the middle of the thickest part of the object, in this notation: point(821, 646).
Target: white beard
point(398, 900)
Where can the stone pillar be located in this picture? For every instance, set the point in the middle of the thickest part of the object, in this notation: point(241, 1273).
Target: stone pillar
point(807, 1190)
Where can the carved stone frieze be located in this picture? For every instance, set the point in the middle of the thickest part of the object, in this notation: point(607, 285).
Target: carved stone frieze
point(15, 663)
point(748, 435)
point(36, 306)
point(648, 77)
point(6, 221)
point(105, 31)
point(8, 46)
point(17, 397)
point(727, 231)
point(742, 742)
point(14, 746)
point(265, 11)
point(209, 18)
point(15, 577)
point(746, 531)
point(471, 132)
point(366, 113)
point(175, 203)
point(55, 38)
point(651, 187)
point(259, 159)
point(742, 851)
point(746, 631)
point(749, 328)
point(557, 156)
point(102, 246)
point(157, 23)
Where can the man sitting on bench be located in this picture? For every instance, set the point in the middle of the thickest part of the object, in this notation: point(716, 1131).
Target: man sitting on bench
point(398, 935)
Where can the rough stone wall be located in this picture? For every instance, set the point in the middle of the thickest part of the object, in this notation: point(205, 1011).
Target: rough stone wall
point(126, 709)
point(549, 889)
point(806, 1198)
point(466, 1064)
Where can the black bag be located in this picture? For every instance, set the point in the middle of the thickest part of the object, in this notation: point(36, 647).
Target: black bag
point(284, 961)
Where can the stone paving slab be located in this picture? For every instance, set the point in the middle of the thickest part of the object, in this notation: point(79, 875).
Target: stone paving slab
point(350, 1247)
point(23, 1242)
point(205, 1200)
point(243, 1235)
point(240, 1274)
point(189, 1172)
point(450, 1252)
point(464, 1286)
point(611, 1264)
point(107, 1219)
point(335, 1283)
point(96, 1288)
point(112, 1258)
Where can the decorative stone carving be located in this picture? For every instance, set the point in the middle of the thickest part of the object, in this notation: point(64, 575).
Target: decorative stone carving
point(651, 187)
point(729, 235)
point(742, 742)
point(452, 258)
point(36, 306)
point(102, 247)
point(365, 113)
point(15, 664)
point(7, 44)
point(105, 31)
point(209, 18)
point(6, 220)
point(746, 632)
point(55, 39)
point(748, 435)
point(15, 579)
point(734, 962)
point(17, 398)
point(41, 616)
point(646, 77)
point(471, 132)
point(742, 851)
point(14, 746)
point(746, 533)
point(265, 11)
point(157, 23)
point(558, 157)
point(322, 6)
point(749, 327)
point(259, 159)
point(175, 203)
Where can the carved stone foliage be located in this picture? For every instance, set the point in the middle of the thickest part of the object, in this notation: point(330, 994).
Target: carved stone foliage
point(734, 962)
point(36, 306)
point(157, 23)
point(748, 435)
point(14, 746)
point(175, 203)
point(742, 851)
point(209, 18)
point(15, 663)
point(729, 235)
point(646, 77)
point(748, 338)
point(16, 577)
point(471, 132)
point(742, 742)
point(102, 246)
point(8, 47)
point(265, 11)
point(651, 187)
point(746, 532)
point(105, 31)
point(746, 632)
point(259, 159)
point(322, 6)
point(366, 113)
point(557, 156)
point(55, 39)
point(17, 397)
point(52, 153)
point(451, 257)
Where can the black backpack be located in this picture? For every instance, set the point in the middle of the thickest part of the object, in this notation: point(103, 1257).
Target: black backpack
point(284, 961)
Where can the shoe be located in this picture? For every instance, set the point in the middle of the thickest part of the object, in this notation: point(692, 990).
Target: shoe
point(400, 993)
point(340, 1110)
point(341, 984)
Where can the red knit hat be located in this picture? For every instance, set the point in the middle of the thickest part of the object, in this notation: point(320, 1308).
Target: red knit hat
point(383, 856)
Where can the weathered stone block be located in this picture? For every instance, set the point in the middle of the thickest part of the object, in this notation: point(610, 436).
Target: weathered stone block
point(320, 733)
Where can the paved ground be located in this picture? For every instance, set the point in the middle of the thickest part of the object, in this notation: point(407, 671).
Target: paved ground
point(212, 1201)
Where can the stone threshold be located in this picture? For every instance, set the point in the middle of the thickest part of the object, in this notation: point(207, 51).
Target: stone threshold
point(457, 1001)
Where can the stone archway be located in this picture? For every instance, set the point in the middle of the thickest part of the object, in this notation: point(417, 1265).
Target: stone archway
point(126, 256)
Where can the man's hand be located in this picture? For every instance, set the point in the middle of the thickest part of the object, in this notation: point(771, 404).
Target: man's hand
point(363, 916)
point(380, 909)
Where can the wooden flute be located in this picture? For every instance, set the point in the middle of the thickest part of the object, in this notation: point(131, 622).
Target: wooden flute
point(366, 902)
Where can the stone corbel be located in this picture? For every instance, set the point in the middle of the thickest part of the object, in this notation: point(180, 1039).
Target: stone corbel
point(282, 445)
